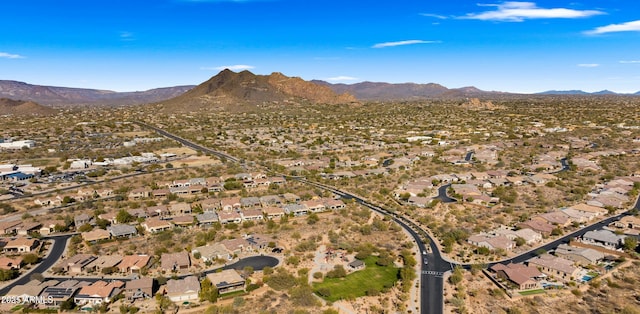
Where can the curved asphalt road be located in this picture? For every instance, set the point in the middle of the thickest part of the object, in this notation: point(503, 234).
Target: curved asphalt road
point(55, 252)
point(431, 294)
point(257, 262)
point(89, 183)
point(431, 277)
point(442, 194)
point(468, 156)
point(432, 272)
point(189, 143)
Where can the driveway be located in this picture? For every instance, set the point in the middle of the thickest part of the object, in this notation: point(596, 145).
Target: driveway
point(257, 262)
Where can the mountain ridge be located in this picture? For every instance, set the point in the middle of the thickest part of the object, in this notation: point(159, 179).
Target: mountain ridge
point(581, 92)
point(55, 95)
point(404, 91)
point(21, 107)
point(229, 88)
point(366, 91)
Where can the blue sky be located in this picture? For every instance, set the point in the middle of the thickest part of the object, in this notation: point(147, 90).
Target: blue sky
point(128, 45)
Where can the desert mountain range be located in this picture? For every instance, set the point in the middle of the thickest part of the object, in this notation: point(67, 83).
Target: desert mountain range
point(229, 87)
point(402, 91)
point(20, 107)
point(53, 95)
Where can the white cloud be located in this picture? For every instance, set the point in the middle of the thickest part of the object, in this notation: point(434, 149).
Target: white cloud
point(341, 78)
point(437, 16)
point(633, 26)
point(515, 11)
point(126, 35)
point(629, 61)
point(588, 65)
point(10, 55)
point(403, 43)
point(235, 67)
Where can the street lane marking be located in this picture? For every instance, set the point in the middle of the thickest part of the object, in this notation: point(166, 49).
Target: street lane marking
point(432, 272)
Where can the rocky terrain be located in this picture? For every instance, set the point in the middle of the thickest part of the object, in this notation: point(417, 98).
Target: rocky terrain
point(20, 107)
point(476, 104)
point(404, 91)
point(52, 95)
point(229, 89)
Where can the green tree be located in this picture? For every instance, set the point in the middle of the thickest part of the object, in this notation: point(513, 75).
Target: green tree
point(208, 292)
point(312, 218)
point(303, 296)
point(67, 305)
point(163, 302)
point(102, 223)
point(30, 258)
point(630, 244)
point(282, 280)
point(384, 258)
point(68, 200)
point(337, 272)
point(8, 274)
point(85, 228)
point(457, 276)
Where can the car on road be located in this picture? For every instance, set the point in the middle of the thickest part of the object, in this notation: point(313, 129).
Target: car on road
point(426, 261)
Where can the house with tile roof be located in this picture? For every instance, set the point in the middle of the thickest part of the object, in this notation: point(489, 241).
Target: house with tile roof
point(133, 264)
point(154, 225)
point(185, 289)
point(521, 276)
point(554, 266)
point(582, 256)
point(21, 245)
point(142, 288)
point(175, 261)
point(99, 292)
point(603, 238)
point(228, 280)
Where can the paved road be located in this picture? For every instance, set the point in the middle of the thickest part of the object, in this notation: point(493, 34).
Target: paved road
point(468, 156)
point(442, 194)
point(565, 165)
point(55, 252)
point(432, 287)
point(42, 211)
point(190, 144)
point(257, 262)
point(431, 302)
point(565, 239)
point(89, 183)
point(431, 277)
point(552, 245)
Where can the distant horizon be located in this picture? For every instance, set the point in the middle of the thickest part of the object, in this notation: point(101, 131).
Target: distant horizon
point(349, 83)
point(508, 46)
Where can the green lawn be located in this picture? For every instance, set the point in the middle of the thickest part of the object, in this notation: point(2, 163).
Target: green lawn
point(232, 294)
point(357, 283)
point(531, 292)
point(593, 274)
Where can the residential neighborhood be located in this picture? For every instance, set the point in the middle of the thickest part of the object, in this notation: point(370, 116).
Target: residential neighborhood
point(513, 208)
